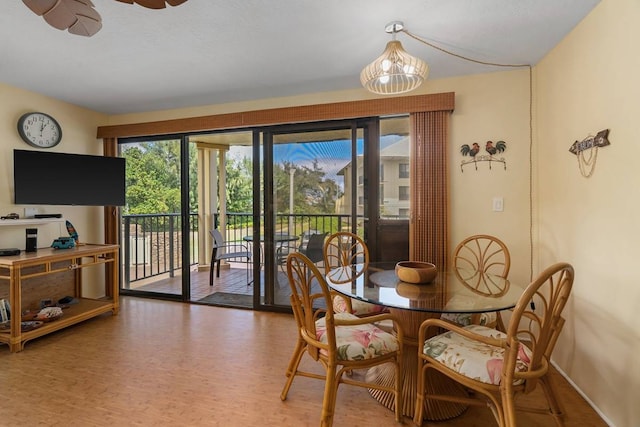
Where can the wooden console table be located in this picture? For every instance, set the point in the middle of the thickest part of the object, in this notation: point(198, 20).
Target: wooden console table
point(28, 278)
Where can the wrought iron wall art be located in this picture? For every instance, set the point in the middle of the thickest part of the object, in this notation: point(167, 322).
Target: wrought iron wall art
point(490, 147)
point(587, 164)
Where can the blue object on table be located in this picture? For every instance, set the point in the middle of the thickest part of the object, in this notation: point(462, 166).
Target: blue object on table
point(72, 231)
point(63, 243)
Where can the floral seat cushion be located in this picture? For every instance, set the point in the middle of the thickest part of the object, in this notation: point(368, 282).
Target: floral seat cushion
point(471, 358)
point(358, 342)
point(359, 308)
point(464, 319)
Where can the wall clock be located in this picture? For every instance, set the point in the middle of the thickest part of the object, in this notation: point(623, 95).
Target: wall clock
point(39, 130)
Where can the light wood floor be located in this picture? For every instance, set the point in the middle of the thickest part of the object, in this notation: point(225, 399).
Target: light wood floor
point(233, 279)
point(161, 363)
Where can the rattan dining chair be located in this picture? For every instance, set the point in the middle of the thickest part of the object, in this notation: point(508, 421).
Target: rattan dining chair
point(340, 342)
point(497, 366)
point(346, 255)
point(475, 260)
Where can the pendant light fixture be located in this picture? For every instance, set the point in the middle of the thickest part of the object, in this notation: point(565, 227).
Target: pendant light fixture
point(395, 71)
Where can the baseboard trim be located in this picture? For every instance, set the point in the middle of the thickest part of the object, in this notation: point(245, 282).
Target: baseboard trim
point(584, 396)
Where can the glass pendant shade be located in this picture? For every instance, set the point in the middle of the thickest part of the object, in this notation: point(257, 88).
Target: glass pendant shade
point(394, 72)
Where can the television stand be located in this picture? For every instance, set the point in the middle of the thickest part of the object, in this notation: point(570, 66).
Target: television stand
point(28, 278)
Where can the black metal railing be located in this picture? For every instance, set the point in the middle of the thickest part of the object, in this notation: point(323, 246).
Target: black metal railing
point(152, 243)
point(240, 225)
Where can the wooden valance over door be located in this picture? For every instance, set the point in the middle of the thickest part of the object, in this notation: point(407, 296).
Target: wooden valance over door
point(277, 116)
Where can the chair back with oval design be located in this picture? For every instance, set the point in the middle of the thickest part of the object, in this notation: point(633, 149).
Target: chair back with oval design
point(537, 319)
point(485, 254)
point(336, 340)
point(498, 366)
point(345, 252)
point(346, 258)
point(481, 262)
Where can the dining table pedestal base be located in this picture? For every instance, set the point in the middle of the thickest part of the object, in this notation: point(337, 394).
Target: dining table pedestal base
point(436, 383)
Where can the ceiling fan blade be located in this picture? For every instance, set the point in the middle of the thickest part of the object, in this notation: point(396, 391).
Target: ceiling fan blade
point(78, 16)
point(40, 7)
point(154, 4)
point(85, 26)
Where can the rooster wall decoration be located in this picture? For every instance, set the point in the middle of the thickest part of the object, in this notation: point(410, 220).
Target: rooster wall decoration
point(490, 147)
point(79, 16)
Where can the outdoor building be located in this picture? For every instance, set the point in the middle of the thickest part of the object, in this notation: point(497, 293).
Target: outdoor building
point(394, 182)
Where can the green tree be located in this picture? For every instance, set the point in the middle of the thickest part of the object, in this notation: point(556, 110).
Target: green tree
point(153, 182)
point(239, 185)
point(153, 177)
point(313, 193)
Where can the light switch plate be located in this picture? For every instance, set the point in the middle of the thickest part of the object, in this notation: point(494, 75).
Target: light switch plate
point(498, 204)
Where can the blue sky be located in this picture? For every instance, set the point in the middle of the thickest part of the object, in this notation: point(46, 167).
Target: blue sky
point(332, 156)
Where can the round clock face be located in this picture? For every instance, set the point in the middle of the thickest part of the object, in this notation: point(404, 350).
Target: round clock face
point(39, 130)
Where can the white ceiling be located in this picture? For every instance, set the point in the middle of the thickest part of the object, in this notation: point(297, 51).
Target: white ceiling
point(215, 51)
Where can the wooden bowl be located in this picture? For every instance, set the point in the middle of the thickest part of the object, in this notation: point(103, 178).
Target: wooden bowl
point(417, 272)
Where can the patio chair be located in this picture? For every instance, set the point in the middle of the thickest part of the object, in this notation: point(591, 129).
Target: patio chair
point(498, 366)
point(335, 341)
point(225, 251)
point(346, 256)
point(313, 249)
point(311, 244)
point(474, 258)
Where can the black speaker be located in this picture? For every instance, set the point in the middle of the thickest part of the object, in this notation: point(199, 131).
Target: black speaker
point(9, 251)
point(31, 244)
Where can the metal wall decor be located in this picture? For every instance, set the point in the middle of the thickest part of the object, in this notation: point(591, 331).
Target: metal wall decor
point(587, 164)
point(474, 152)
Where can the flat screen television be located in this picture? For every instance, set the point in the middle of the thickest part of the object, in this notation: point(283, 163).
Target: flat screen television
point(48, 178)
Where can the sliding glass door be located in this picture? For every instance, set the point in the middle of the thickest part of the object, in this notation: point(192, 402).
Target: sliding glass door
point(225, 209)
point(158, 231)
point(313, 186)
point(268, 191)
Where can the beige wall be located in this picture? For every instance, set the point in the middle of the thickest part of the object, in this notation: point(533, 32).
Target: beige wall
point(585, 85)
point(588, 83)
point(78, 136)
point(491, 107)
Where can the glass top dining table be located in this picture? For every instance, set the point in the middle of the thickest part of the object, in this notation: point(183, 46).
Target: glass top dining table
point(454, 291)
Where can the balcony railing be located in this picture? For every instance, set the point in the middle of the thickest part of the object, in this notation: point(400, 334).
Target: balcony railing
point(240, 225)
point(152, 243)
